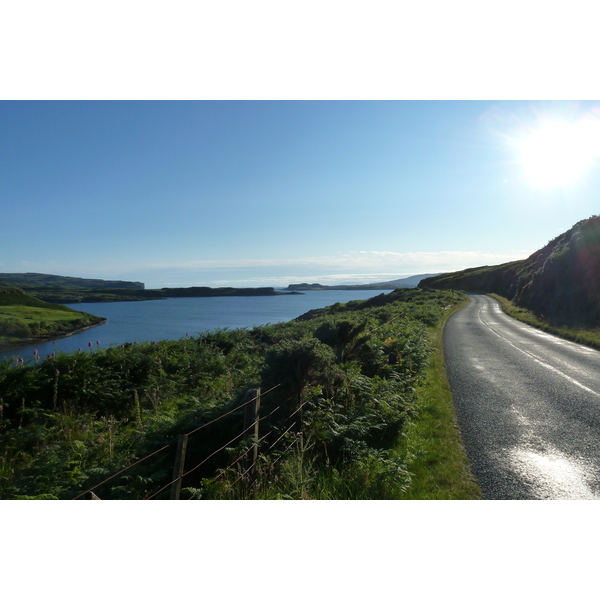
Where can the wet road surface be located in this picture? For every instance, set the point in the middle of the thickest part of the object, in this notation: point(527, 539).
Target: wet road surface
point(528, 405)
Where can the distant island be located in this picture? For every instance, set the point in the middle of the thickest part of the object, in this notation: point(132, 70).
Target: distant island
point(407, 282)
point(57, 289)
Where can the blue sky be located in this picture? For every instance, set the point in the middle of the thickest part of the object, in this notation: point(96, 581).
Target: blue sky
point(180, 193)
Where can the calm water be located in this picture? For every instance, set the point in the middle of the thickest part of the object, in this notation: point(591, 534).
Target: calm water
point(172, 318)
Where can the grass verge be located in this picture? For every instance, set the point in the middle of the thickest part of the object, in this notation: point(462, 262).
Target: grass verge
point(587, 337)
point(440, 468)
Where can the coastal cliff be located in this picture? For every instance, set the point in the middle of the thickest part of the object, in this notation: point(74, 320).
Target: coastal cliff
point(560, 282)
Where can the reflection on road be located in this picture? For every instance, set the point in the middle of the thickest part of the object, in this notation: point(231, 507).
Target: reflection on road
point(528, 404)
point(553, 476)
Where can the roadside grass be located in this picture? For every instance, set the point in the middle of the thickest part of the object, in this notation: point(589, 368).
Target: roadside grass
point(587, 337)
point(439, 467)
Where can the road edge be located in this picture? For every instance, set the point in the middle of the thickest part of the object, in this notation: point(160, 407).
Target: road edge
point(585, 337)
point(439, 464)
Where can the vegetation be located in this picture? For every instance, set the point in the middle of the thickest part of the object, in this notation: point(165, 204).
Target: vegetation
point(77, 295)
point(588, 337)
point(340, 413)
point(439, 462)
point(42, 280)
point(23, 318)
point(73, 290)
point(406, 282)
point(558, 283)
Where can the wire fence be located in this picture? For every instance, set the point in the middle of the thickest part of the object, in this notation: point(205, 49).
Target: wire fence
point(252, 402)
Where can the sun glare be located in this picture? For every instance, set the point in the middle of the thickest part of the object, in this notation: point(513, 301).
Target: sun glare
point(557, 153)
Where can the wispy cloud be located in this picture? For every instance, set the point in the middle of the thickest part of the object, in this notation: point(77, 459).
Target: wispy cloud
point(363, 259)
point(375, 262)
point(361, 266)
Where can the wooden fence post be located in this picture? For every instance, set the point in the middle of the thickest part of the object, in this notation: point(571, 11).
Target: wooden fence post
point(178, 469)
point(251, 417)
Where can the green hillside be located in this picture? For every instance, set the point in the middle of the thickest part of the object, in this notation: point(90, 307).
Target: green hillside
point(16, 297)
point(406, 282)
point(560, 282)
point(24, 318)
point(42, 280)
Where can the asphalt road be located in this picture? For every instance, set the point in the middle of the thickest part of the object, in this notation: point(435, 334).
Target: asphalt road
point(528, 405)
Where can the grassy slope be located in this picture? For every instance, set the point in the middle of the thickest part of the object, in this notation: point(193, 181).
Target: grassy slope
point(559, 283)
point(438, 462)
point(440, 467)
point(16, 297)
point(588, 337)
point(36, 280)
point(23, 317)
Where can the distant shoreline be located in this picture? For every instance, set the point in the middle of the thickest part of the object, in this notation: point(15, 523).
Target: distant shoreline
point(57, 296)
point(317, 287)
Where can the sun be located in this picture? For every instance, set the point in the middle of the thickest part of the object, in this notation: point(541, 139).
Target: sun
point(557, 153)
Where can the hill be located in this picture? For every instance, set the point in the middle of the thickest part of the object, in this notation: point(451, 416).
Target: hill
point(58, 289)
point(70, 296)
point(41, 280)
point(560, 282)
point(16, 297)
point(406, 282)
point(25, 319)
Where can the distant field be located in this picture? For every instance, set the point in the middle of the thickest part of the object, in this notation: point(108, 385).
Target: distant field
point(23, 318)
point(31, 314)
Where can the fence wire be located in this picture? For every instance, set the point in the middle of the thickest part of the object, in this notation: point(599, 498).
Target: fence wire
point(137, 462)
